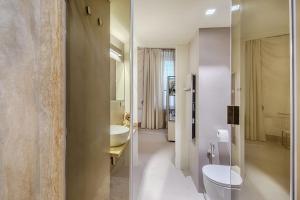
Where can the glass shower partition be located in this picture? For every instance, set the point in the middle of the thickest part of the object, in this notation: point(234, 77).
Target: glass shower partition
point(255, 26)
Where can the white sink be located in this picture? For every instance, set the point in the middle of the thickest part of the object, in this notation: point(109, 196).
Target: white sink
point(118, 135)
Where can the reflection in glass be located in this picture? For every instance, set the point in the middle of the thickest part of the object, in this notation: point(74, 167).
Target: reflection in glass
point(261, 87)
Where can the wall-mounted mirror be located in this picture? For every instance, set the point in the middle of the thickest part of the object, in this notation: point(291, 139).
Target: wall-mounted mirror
point(117, 70)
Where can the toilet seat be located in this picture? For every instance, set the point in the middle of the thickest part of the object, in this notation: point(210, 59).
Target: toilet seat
point(222, 176)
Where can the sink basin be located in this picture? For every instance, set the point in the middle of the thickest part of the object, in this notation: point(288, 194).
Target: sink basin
point(118, 135)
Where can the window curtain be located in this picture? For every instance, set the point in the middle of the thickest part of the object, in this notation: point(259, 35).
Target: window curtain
point(267, 86)
point(276, 84)
point(254, 117)
point(152, 112)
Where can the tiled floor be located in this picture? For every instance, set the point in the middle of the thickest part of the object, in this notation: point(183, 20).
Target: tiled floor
point(155, 176)
point(119, 180)
point(267, 172)
point(119, 189)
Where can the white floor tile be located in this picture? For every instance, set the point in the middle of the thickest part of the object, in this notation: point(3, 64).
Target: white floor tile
point(155, 177)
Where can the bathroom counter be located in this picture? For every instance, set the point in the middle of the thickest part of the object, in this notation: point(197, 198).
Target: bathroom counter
point(116, 152)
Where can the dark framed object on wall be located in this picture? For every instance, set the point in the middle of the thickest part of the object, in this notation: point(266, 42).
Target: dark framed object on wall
point(171, 98)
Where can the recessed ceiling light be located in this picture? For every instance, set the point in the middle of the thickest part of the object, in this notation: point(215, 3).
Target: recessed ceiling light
point(210, 11)
point(235, 7)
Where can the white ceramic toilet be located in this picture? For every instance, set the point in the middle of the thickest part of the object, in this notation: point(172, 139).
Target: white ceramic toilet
point(221, 182)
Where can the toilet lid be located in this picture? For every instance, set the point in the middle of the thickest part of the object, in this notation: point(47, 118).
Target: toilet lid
point(222, 175)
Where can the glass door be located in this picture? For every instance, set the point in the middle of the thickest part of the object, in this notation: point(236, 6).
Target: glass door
point(261, 82)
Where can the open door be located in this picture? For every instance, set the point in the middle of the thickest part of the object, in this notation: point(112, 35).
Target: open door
point(88, 100)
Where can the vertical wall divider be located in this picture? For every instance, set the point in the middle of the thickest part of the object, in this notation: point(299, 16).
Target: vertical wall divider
point(131, 57)
point(294, 100)
point(293, 194)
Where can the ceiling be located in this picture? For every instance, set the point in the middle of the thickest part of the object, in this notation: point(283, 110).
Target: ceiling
point(167, 23)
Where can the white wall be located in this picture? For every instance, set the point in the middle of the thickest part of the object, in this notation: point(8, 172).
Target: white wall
point(139, 86)
point(213, 91)
point(193, 150)
point(135, 116)
point(209, 58)
point(181, 135)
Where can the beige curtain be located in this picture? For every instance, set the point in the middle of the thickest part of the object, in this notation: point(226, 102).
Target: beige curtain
point(152, 114)
point(275, 84)
point(254, 128)
point(267, 86)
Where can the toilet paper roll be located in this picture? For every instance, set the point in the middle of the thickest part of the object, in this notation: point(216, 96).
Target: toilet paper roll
point(223, 135)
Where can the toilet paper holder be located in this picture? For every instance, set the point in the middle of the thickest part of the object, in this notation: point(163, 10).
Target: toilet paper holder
point(223, 135)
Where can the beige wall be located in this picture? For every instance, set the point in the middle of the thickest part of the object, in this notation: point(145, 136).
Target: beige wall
point(88, 111)
point(117, 110)
point(32, 99)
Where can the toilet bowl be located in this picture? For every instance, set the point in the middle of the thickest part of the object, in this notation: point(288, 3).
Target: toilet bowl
point(221, 182)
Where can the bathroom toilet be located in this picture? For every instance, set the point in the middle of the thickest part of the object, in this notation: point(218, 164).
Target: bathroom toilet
point(221, 182)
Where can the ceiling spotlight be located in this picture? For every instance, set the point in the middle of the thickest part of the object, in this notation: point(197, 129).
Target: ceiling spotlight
point(235, 7)
point(210, 11)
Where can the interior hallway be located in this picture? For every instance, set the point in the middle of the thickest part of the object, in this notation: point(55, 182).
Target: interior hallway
point(267, 171)
point(156, 177)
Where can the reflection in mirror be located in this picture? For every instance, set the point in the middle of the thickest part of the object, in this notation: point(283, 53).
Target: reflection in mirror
point(261, 87)
point(120, 129)
point(117, 70)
